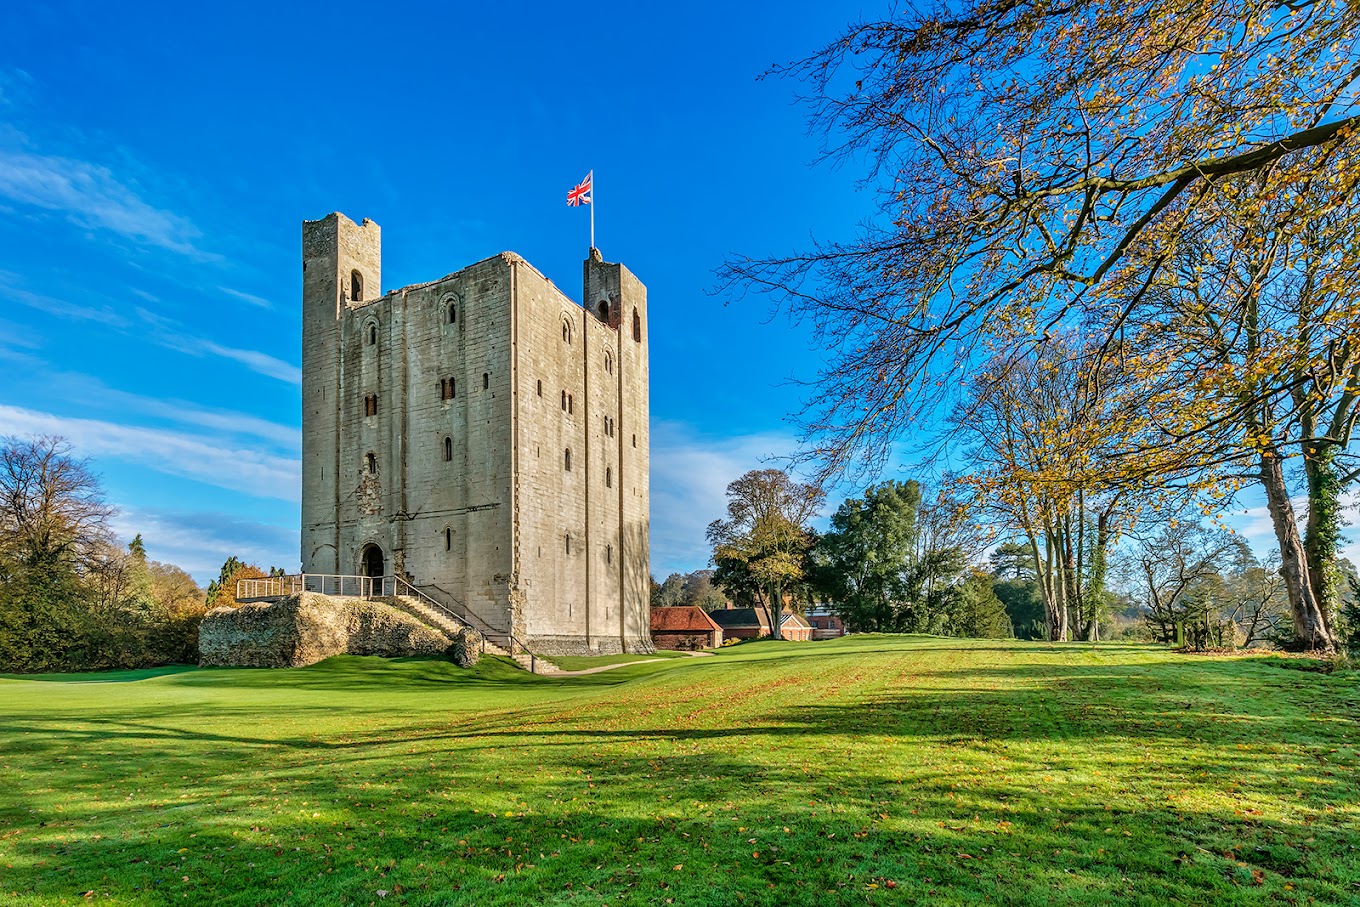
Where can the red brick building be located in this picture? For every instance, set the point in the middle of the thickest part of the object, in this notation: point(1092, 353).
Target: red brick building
point(684, 628)
point(752, 623)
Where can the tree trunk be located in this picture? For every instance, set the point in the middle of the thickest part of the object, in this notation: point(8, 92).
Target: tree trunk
point(1322, 536)
point(777, 606)
point(1310, 624)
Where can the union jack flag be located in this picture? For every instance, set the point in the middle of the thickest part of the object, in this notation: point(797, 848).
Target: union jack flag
point(580, 195)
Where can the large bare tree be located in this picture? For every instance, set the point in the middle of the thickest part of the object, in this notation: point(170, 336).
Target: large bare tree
point(51, 506)
point(1047, 166)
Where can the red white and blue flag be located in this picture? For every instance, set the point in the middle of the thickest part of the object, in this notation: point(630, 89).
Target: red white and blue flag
point(580, 194)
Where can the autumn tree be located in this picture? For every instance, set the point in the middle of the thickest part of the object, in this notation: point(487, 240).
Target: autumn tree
point(1043, 168)
point(762, 544)
point(222, 591)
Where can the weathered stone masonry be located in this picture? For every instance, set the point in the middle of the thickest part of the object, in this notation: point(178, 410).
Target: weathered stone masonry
point(483, 436)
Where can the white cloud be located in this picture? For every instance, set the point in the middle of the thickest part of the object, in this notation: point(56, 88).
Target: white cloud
point(200, 542)
point(689, 487)
point(254, 360)
point(91, 196)
point(249, 298)
point(170, 334)
point(190, 456)
point(90, 391)
point(60, 308)
point(1256, 528)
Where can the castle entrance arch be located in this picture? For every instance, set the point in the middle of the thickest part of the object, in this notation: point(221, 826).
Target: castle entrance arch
point(371, 562)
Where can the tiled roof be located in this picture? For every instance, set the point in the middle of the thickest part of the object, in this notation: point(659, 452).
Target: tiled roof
point(687, 618)
point(735, 618)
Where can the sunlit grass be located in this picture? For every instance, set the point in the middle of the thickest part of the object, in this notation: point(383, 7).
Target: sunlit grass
point(869, 769)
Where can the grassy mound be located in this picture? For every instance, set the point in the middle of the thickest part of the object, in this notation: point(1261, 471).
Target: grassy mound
point(871, 769)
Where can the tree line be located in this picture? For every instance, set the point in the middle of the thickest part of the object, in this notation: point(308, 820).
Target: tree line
point(72, 596)
point(1115, 260)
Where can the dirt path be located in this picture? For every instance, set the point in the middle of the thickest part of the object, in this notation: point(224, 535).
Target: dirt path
point(602, 668)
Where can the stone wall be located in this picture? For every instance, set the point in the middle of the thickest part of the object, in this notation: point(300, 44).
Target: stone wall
point(304, 629)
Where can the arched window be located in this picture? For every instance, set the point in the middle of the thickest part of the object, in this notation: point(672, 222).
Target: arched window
point(608, 360)
point(452, 312)
point(356, 286)
point(448, 449)
point(371, 461)
point(372, 334)
point(486, 380)
point(566, 331)
point(637, 325)
point(603, 309)
point(448, 539)
point(568, 459)
point(608, 477)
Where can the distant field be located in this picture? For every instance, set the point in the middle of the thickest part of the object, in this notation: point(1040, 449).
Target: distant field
point(871, 769)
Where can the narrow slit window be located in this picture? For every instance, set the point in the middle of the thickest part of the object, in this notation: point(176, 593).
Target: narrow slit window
point(448, 539)
point(568, 543)
point(564, 401)
point(448, 449)
point(637, 326)
point(567, 459)
point(371, 463)
point(608, 477)
point(570, 402)
point(635, 440)
point(540, 387)
point(609, 554)
point(486, 380)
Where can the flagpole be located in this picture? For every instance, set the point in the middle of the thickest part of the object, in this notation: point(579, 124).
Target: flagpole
point(592, 209)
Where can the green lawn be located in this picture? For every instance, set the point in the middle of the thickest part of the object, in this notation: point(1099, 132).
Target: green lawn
point(866, 770)
point(585, 662)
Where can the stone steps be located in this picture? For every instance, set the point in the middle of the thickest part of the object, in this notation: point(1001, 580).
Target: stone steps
point(450, 628)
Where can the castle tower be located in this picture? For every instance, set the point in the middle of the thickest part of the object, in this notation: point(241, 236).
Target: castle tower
point(482, 436)
point(341, 268)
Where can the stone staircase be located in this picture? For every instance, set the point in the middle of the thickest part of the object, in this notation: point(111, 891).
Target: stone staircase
point(450, 627)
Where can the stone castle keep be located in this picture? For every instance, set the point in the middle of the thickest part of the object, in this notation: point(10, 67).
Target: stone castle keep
point(482, 436)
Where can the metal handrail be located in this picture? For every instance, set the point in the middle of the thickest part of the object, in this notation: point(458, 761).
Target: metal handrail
point(489, 631)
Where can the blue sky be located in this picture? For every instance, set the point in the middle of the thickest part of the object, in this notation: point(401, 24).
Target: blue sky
point(156, 162)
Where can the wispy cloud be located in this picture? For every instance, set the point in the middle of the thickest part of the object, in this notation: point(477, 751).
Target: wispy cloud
point(59, 308)
point(248, 298)
point(689, 482)
point(190, 456)
point(91, 392)
point(199, 542)
point(172, 335)
point(91, 196)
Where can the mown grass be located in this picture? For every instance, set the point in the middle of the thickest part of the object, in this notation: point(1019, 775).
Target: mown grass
point(864, 770)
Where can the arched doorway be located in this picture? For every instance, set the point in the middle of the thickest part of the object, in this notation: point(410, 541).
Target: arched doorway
point(371, 562)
